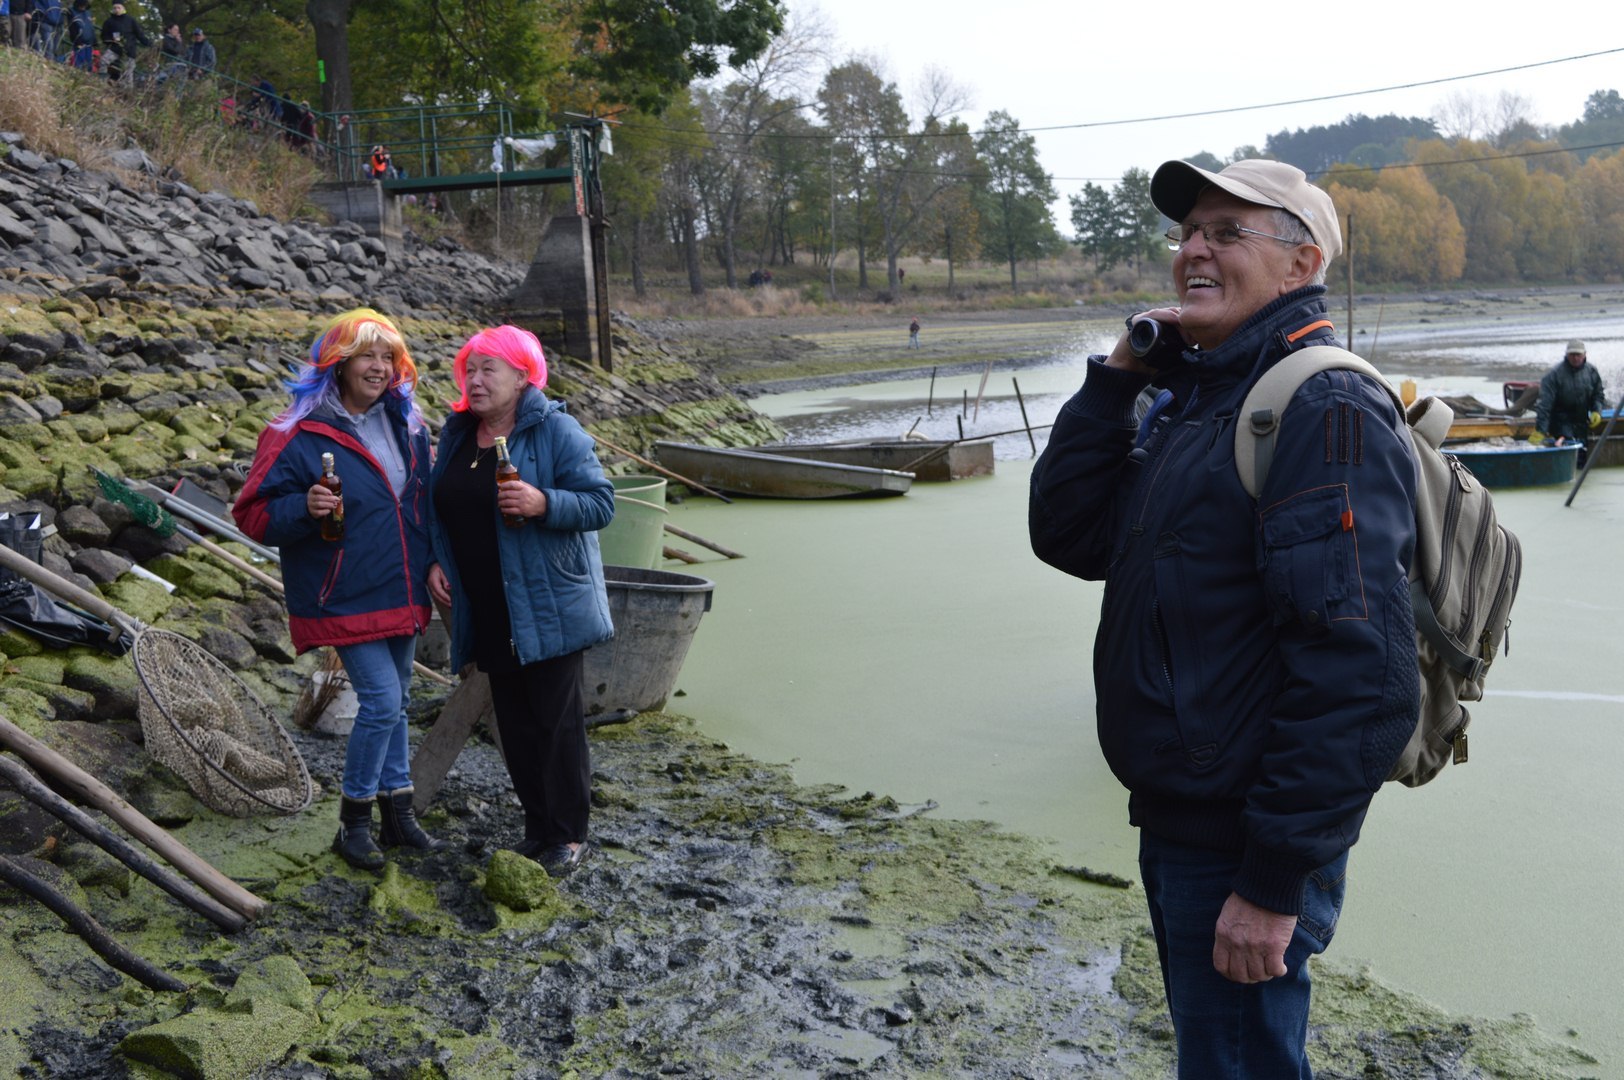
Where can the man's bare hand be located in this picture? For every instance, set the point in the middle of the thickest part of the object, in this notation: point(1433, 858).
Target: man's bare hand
point(1250, 946)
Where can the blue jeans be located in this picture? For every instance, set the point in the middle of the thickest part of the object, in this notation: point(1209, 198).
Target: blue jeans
point(377, 758)
point(1228, 1030)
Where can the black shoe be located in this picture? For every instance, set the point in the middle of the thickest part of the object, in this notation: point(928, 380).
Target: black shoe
point(354, 840)
point(530, 848)
point(400, 827)
point(560, 860)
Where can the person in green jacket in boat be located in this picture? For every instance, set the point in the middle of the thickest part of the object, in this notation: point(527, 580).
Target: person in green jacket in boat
point(1571, 400)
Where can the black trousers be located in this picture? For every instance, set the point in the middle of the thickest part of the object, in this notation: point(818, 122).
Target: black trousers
point(541, 717)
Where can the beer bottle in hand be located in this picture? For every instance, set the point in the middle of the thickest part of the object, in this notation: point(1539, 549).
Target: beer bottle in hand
point(332, 526)
point(507, 473)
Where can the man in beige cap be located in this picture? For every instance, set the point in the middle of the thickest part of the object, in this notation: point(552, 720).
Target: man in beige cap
point(1254, 665)
point(1571, 400)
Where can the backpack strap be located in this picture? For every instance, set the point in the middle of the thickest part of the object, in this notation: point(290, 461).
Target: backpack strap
point(1258, 421)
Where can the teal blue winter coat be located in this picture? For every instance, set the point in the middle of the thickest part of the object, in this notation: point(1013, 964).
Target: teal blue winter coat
point(551, 570)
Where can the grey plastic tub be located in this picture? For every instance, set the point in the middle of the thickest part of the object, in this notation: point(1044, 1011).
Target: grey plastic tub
point(655, 613)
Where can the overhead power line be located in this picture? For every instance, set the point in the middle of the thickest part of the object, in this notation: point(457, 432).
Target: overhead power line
point(1083, 125)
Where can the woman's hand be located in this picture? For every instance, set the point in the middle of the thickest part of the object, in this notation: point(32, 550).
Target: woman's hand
point(319, 502)
point(519, 498)
point(439, 585)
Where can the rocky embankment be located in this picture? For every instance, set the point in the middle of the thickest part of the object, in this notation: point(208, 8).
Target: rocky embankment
point(731, 922)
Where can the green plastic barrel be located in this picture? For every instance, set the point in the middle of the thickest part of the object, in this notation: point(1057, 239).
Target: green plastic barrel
point(634, 537)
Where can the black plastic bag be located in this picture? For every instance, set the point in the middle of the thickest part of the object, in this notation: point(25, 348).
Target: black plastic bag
point(22, 534)
point(24, 606)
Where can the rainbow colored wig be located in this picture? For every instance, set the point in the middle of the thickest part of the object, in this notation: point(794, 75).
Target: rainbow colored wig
point(517, 347)
point(340, 339)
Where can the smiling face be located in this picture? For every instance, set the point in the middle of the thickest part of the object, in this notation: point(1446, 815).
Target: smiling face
point(366, 375)
point(1220, 288)
point(493, 386)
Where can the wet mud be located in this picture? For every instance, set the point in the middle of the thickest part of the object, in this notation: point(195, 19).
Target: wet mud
point(729, 924)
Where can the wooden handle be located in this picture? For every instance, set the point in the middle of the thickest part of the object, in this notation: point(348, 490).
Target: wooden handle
point(92, 791)
point(37, 793)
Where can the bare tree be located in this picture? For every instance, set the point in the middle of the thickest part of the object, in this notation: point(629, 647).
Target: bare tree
point(1462, 115)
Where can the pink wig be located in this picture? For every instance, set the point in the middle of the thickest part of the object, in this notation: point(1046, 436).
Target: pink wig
point(519, 348)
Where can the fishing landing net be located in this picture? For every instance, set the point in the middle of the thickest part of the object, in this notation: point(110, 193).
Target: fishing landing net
point(203, 722)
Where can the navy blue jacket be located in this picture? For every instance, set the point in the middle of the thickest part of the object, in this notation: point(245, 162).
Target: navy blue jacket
point(552, 573)
point(1254, 667)
point(373, 583)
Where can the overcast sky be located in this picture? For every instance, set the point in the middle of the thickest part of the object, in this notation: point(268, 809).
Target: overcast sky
point(1051, 63)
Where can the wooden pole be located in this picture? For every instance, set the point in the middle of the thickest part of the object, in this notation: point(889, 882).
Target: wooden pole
point(659, 469)
point(1590, 456)
point(1022, 402)
point(97, 794)
point(931, 397)
point(87, 928)
point(701, 541)
point(679, 555)
point(25, 783)
point(961, 424)
point(982, 389)
point(1347, 254)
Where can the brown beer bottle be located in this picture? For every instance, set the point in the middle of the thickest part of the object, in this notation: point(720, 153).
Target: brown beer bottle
point(507, 473)
point(332, 526)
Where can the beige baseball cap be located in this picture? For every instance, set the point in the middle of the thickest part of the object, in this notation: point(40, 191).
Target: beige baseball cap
point(1576, 346)
point(1177, 184)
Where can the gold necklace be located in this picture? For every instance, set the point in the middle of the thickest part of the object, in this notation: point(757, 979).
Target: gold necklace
point(480, 452)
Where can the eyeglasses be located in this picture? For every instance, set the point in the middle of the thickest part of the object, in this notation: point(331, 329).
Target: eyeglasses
point(1218, 234)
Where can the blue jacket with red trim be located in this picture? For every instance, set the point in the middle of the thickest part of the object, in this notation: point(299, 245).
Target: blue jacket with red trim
point(370, 585)
point(1254, 667)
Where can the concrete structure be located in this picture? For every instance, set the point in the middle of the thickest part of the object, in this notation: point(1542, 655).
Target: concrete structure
point(557, 301)
point(365, 203)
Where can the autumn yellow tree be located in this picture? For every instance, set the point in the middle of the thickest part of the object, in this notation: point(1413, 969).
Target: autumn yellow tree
point(1599, 187)
point(1488, 191)
point(1404, 230)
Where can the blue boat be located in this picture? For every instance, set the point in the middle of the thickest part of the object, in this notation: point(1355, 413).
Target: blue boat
point(1519, 465)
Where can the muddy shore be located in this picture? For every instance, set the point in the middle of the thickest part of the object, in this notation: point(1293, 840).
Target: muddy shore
point(730, 923)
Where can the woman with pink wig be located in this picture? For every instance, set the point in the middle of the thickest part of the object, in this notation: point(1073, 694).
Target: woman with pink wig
point(364, 593)
point(520, 570)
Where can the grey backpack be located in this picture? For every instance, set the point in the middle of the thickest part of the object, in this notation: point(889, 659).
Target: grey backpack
point(1466, 567)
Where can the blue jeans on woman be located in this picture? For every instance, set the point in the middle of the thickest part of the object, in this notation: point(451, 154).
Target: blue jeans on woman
point(377, 758)
point(1228, 1030)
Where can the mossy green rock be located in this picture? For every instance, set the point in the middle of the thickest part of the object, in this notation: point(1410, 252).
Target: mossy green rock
point(15, 643)
point(42, 668)
point(212, 1044)
point(276, 980)
point(520, 884)
point(26, 709)
point(139, 599)
point(110, 678)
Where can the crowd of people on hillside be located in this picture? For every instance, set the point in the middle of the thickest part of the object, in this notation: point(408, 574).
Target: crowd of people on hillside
point(70, 34)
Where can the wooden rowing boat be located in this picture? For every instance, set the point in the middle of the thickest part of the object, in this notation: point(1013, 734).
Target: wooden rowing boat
point(775, 476)
point(928, 460)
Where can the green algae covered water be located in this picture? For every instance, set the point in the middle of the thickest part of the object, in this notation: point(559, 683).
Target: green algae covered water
point(914, 647)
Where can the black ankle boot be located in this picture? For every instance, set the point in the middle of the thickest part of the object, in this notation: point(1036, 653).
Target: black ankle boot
point(400, 827)
point(354, 840)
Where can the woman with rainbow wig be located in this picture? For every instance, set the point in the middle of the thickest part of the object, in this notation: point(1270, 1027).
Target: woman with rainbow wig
point(526, 598)
point(365, 594)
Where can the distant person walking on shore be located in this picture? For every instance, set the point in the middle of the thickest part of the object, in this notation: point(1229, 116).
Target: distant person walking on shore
point(913, 333)
point(1571, 400)
point(121, 35)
